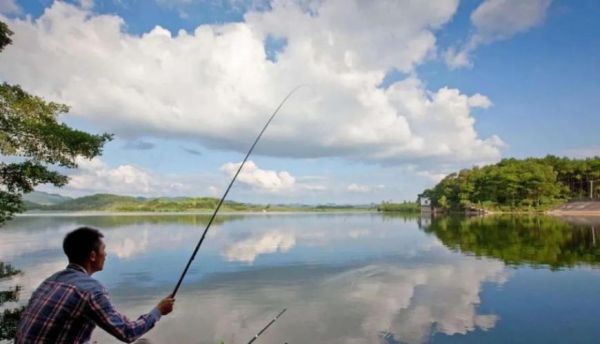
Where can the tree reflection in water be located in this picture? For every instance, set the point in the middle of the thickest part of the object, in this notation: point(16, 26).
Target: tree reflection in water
point(538, 241)
point(9, 316)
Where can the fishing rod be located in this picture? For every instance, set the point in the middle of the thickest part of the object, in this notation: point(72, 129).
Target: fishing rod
point(227, 191)
point(266, 327)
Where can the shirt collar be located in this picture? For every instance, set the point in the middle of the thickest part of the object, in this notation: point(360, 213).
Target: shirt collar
point(77, 267)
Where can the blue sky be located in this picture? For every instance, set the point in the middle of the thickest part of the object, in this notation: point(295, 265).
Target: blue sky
point(401, 93)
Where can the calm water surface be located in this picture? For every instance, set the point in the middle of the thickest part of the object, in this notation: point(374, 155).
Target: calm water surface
point(345, 278)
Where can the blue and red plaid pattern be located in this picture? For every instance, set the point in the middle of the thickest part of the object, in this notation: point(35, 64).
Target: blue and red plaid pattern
point(68, 305)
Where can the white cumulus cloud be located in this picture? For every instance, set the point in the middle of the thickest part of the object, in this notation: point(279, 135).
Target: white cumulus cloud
point(504, 18)
point(215, 84)
point(266, 180)
point(496, 20)
point(478, 100)
point(96, 176)
point(86, 4)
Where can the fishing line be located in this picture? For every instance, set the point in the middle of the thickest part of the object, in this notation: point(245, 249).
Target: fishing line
point(227, 191)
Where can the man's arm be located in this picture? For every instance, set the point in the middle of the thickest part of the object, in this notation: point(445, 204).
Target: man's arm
point(118, 325)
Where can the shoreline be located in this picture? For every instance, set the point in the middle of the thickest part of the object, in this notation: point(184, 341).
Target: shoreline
point(555, 213)
point(175, 213)
point(573, 213)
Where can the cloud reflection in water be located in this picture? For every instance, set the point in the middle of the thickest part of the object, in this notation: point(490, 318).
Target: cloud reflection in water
point(402, 300)
point(247, 250)
point(344, 279)
point(410, 302)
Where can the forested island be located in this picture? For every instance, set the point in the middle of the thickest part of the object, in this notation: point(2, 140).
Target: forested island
point(512, 185)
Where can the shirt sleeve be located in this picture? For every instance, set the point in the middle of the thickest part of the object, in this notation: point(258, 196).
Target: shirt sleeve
point(117, 324)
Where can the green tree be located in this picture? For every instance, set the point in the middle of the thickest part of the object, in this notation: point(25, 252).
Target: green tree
point(512, 184)
point(29, 131)
point(404, 207)
point(443, 202)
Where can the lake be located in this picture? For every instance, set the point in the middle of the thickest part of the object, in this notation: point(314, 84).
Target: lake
point(344, 278)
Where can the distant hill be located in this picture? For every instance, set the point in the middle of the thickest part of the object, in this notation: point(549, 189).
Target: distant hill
point(32, 206)
point(116, 203)
point(108, 202)
point(44, 198)
point(94, 202)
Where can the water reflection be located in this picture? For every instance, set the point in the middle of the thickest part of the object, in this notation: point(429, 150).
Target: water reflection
point(247, 250)
point(361, 278)
point(407, 302)
point(539, 241)
point(401, 300)
point(108, 220)
point(37, 234)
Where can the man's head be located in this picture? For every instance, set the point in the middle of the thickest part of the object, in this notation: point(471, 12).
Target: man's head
point(84, 246)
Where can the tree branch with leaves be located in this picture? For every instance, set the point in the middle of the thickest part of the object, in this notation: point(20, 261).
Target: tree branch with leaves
point(30, 131)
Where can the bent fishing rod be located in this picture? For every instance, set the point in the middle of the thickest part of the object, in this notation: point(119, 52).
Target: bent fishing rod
point(266, 327)
point(227, 191)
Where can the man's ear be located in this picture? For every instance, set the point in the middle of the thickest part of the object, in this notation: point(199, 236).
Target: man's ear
point(93, 256)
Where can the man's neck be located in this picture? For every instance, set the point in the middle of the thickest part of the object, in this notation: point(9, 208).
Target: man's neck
point(86, 266)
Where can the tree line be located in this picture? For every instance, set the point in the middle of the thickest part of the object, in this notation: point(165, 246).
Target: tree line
point(403, 207)
point(518, 184)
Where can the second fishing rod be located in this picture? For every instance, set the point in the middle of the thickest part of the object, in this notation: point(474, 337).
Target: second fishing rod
point(187, 266)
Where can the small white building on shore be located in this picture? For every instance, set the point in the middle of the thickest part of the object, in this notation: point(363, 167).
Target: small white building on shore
point(425, 203)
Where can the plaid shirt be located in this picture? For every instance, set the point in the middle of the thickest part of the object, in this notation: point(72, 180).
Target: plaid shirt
point(68, 305)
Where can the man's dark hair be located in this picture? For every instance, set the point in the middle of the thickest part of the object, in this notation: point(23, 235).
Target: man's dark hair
point(79, 243)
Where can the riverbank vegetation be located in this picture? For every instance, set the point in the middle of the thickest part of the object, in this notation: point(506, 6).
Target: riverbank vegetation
point(533, 184)
point(404, 207)
point(116, 203)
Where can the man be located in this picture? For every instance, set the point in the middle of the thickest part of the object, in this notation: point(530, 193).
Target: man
point(68, 305)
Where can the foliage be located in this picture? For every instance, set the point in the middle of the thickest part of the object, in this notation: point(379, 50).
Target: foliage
point(5, 34)
point(331, 207)
point(410, 207)
point(7, 270)
point(29, 130)
point(9, 318)
point(538, 241)
point(10, 295)
point(511, 184)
